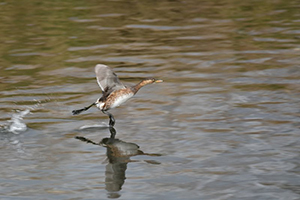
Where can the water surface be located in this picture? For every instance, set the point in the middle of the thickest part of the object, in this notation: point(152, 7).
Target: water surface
point(223, 125)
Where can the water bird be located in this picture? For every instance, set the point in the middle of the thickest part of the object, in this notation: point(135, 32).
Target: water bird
point(114, 93)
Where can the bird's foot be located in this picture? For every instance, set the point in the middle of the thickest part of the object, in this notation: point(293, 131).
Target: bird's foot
point(76, 112)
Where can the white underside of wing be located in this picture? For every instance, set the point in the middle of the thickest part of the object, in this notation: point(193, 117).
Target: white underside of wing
point(102, 89)
point(107, 79)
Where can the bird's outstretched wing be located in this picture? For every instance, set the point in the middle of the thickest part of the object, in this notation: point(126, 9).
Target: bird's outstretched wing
point(107, 79)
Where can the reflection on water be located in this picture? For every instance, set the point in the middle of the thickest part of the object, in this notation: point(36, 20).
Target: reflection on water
point(118, 154)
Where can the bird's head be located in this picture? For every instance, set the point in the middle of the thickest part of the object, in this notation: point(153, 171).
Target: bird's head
point(150, 80)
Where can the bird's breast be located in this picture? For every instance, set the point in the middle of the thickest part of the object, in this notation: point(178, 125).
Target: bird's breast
point(117, 101)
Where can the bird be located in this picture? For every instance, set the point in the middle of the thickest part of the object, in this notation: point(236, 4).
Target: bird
point(114, 93)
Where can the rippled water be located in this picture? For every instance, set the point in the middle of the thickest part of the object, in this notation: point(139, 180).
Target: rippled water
point(223, 125)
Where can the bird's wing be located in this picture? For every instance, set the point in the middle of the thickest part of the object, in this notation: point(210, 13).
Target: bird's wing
point(107, 79)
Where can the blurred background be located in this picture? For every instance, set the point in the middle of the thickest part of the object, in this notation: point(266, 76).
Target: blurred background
point(224, 124)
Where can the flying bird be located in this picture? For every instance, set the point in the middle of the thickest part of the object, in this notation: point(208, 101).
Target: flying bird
point(114, 93)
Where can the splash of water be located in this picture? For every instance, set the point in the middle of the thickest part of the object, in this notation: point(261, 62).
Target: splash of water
point(103, 125)
point(17, 125)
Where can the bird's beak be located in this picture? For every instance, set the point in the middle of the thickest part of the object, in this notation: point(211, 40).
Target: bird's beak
point(158, 81)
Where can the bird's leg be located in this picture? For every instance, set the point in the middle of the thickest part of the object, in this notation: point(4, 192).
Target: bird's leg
point(76, 112)
point(112, 120)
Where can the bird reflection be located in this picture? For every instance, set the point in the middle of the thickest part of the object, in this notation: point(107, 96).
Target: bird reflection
point(118, 155)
